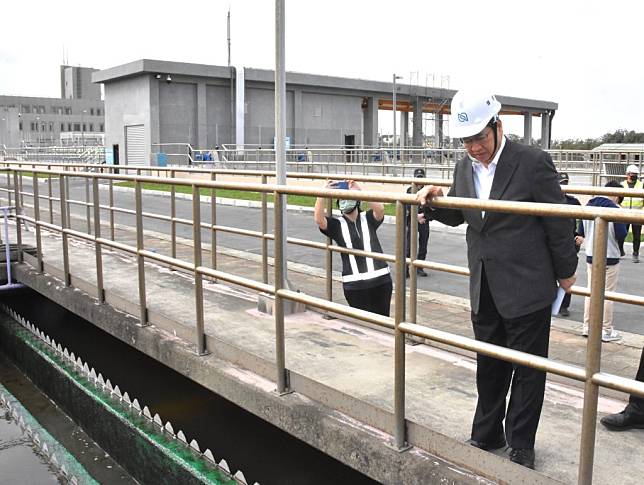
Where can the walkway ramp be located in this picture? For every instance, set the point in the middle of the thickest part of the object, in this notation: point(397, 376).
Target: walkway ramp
point(341, 371)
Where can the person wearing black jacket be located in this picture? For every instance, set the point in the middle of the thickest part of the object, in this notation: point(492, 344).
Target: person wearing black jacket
point(424, 216)
point(632, 417)
point(564, 179)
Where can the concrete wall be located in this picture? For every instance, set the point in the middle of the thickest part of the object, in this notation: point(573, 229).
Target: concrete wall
point(218, 115)
point(129, 104)
point(327, 118)
point(260, 115)
point(178, 112)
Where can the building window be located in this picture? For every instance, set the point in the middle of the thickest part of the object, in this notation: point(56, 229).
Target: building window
point(62, 127)
point(98, 111)
point(68, 110)
point(41, 110)
point(91, 111)
point(25, 109)
point(84, 129)
point(76, 126)
point(51, 126)
point(102, 128)
point(33, 126)
point(69, 127)
point(20, 126)
point(43, 127)
point(91, 127)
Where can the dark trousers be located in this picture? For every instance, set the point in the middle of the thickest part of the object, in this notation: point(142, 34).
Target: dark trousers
point(528, 333)
point(636, 403)
point(375, 300)
point(637, 236)
point(423, 238)
point(566, 300)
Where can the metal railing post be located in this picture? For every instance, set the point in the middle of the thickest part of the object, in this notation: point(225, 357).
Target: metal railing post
point(67, 195)
point(63, 225)
point(400, 435)
point(111, 204)
point(328, 259)
point(173, 215)
point(9, 178)
point(88, 212)
point(413, 252)
point(140, 259)
point(196, 243)
point(37, 223)
point(17, 185)
point(50, 197)
point(213, 223)
point(264, 233)
point(100, 291)
point(280, 360)
point(593, 353)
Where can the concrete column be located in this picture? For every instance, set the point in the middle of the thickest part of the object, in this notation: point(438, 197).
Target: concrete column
point(527, 128)
point(298, 122)
point(438, 130)
point(155, 117)
point(417, 136)
point(545, 130)
point(404, 128)
point(202, 116)
point(370, 122)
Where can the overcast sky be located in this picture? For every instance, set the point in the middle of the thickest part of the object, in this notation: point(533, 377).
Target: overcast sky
point(583, 55)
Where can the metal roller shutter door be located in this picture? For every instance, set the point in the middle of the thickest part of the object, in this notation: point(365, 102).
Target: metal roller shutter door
point(135, 148)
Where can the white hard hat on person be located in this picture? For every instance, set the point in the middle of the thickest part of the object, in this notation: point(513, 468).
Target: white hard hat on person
point(471, 111)
point(632, 169)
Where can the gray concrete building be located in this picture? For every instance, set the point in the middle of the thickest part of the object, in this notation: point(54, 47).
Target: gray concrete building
point(151, 103)
point(77, 115)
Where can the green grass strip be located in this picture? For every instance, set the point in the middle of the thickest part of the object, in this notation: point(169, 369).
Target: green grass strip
point(299, 200)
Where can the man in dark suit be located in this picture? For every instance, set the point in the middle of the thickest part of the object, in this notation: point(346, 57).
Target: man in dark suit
point(515, 262)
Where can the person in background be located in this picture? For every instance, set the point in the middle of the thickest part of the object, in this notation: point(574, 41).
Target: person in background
point(366, 281)
point(424, 216)
point(632, 182)
point(564, 179)
point(616, 235)
point(516, 262)
point(632, 417)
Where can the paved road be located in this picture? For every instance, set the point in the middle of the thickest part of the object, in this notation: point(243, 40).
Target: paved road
point(443, 247)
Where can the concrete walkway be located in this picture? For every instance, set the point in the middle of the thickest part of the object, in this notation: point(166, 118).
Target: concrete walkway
point(358, 361)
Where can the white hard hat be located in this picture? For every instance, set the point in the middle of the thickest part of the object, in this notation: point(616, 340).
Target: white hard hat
point(632, 169)
point(471, 112)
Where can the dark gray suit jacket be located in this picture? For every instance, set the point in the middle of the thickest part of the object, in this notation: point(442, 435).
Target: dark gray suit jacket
point(523, 255)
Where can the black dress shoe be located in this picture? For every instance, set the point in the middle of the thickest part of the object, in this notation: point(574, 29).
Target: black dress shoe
point(522, 456)
point(623, 421)
point(487, 445)
point(421, 272)
point(564, 312)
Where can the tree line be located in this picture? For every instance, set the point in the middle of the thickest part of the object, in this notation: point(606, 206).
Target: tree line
point(619, 136)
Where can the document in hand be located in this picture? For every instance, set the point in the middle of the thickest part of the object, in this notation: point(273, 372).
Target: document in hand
point(556, 305)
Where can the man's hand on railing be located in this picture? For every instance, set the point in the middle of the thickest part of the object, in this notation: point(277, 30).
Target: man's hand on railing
point(427, 193)
point(566, 283)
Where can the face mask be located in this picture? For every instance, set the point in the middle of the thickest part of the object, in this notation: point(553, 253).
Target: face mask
point(347, 206)
point(633, 177)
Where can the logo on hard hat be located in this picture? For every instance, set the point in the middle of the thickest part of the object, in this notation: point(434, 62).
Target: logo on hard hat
point(462, 117)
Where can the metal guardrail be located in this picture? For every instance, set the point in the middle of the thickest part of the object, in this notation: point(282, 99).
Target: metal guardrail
point(591, 374)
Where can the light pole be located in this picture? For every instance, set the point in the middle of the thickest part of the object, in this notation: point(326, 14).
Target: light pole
point(393, 144)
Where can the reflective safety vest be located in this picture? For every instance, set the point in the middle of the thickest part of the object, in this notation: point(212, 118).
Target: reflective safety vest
point(633, 202)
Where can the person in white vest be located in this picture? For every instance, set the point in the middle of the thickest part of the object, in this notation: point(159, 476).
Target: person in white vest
point(366, 281)
point(632, 182)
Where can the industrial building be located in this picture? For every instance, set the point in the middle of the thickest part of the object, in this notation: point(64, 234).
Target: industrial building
point(77, 117)
point(150, 103)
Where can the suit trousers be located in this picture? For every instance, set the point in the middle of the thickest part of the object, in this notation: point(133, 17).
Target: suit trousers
point(636, 403)
point(528, 333)
point(423, 239)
